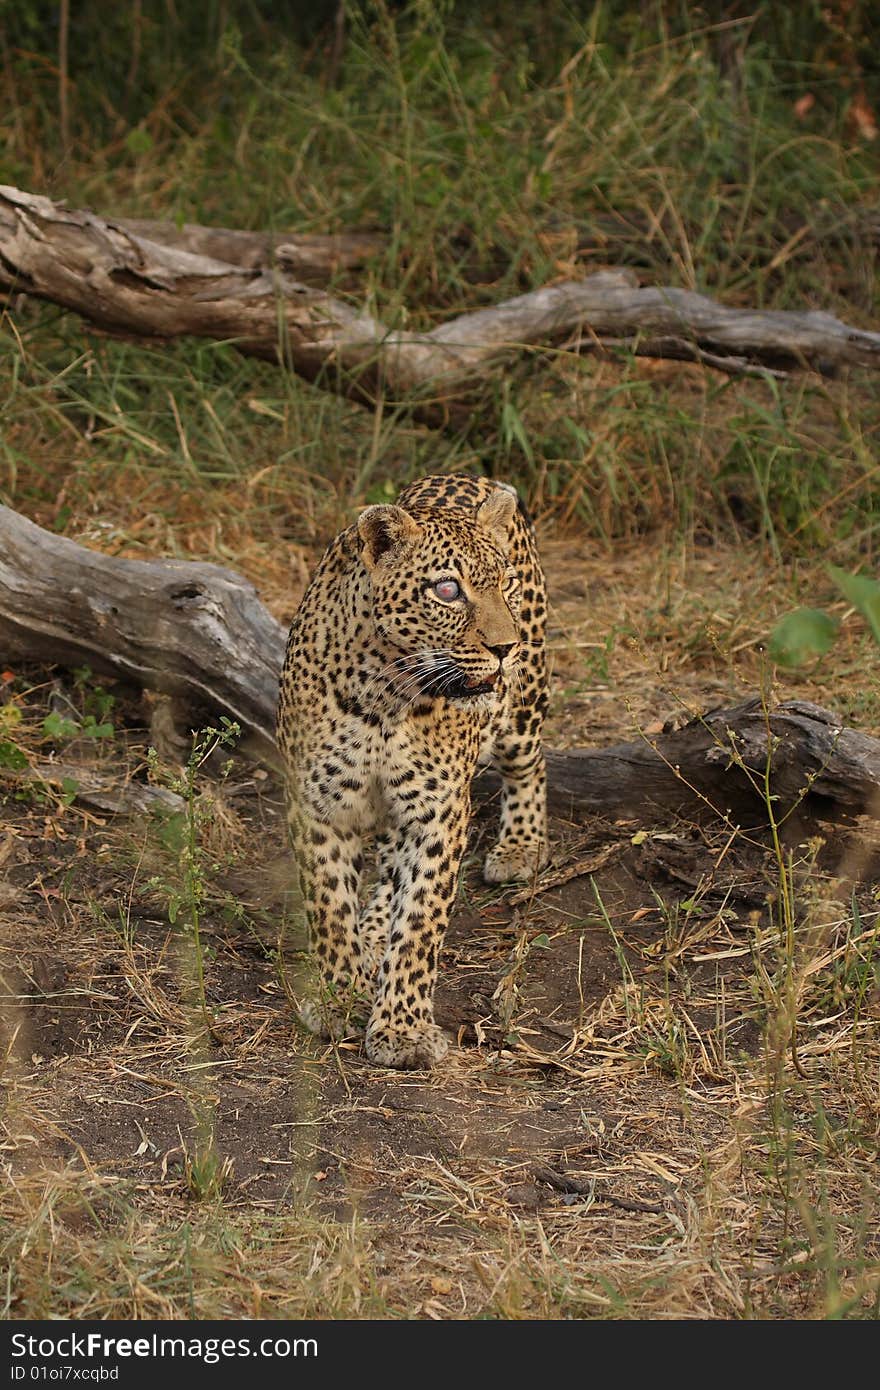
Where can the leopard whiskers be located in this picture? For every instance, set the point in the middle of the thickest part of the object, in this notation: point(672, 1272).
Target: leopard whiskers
point(440, 673)
point(405, 674)
point(398, 666)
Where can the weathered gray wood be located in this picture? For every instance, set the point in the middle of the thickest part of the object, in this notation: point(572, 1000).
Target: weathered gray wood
point(127, 283)
point(99, 791)
point(316, 260)
point(195, 631)
point(717, 762)
point(200, 633)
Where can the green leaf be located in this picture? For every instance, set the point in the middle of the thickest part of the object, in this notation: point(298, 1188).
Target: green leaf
point(138, 141)
point(56, 726)
point(514, 431)
point(92, 729)
point(863, 593)
point(171, 827)
point(69, 789)
point(11, 756)
point(801, 636)
point(10, 716)
point(578, 431)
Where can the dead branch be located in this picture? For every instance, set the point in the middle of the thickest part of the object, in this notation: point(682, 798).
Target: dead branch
point(126, 283)
point(316, 260)
point(562, 1182)
point(200, 633)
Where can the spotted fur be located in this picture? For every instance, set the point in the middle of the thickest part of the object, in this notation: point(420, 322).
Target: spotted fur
point(394, 689)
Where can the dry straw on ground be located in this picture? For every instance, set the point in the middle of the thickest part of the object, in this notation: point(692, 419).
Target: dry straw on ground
point(663, 1103)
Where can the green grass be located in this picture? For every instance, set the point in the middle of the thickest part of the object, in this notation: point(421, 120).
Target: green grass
point(494, 160)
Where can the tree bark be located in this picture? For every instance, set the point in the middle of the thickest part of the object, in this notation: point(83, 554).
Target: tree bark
point(200, 633)
point(315, 260)
point(127, 283)
point(99, 791)
point(195, 631)
point(716, 762)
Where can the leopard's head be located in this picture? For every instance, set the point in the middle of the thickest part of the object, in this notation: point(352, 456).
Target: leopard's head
point(445, 597)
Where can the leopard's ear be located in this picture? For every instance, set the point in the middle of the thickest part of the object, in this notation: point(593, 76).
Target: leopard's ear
point(382, 528)
point(496, 514)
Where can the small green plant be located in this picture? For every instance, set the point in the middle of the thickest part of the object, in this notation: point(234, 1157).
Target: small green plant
point(59, 727)
point(180, 832)
point(809, 633)
point(205, 1172)
point(12, 755)
point(507, 998)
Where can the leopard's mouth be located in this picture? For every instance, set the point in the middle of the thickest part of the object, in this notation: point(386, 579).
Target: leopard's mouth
point(480, 687)
point(470, 687)
point(457, 685)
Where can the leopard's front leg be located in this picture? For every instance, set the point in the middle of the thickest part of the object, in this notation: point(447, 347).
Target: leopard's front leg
point(330, 863)
point(375, 916)
point(521, 849)
point(430, 844)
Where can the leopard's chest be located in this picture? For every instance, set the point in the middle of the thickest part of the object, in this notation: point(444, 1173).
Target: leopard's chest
point(362, 774)
point(337, 777)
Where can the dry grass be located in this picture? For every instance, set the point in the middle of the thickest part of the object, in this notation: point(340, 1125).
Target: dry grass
point(638, 1044)
point(664, 1098)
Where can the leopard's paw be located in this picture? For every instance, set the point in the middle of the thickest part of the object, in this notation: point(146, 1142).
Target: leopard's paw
point(409, 1048)
point(515, 863)
point(372, 951)
point(331, 1022)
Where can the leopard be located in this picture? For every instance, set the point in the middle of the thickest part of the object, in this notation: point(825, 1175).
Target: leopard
point(416, 656)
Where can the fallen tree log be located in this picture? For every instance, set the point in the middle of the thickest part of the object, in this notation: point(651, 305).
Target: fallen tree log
point(200, 633)
point(192, 630)
point(126, 283)
point(716, 762)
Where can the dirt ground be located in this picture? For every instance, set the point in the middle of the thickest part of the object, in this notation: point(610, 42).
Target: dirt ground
point(641, 1056)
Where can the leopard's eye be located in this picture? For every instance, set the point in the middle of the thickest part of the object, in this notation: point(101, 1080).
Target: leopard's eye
point(448, 589)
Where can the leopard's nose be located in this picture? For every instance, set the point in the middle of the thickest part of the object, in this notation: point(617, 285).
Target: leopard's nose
point(502, 651)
